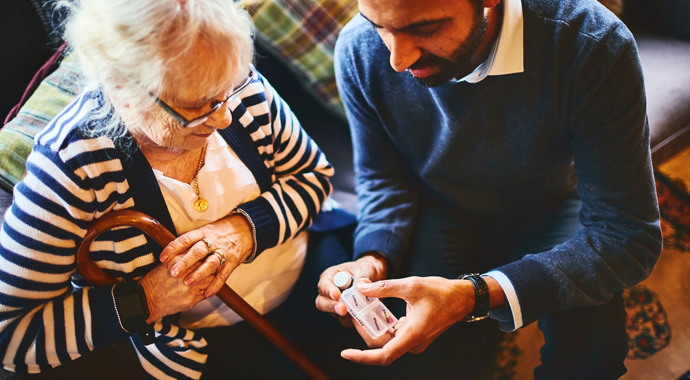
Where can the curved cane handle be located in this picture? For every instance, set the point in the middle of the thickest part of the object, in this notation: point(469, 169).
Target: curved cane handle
point(96, 277)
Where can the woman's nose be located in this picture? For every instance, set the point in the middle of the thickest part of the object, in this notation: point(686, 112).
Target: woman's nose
point(220, 119)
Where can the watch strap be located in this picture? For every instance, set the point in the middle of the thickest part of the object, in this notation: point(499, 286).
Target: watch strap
point(481, 297)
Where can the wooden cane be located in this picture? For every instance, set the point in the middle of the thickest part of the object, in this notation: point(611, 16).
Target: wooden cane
point(96, 277)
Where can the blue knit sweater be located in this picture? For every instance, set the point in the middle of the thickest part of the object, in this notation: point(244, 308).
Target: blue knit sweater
point(575, 118)
point(47, 316)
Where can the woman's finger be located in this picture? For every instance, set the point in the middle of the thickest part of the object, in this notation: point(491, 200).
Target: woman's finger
point(179, 245)
point(225, 269)
point(197, 252)
point(208, 268)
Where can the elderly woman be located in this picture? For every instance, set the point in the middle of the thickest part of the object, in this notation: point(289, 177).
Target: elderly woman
point(179, 125)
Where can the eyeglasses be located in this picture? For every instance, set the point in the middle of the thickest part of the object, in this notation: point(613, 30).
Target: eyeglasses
point(215, 105)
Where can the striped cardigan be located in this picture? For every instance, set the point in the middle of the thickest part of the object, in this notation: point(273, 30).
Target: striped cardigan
point(47, 314)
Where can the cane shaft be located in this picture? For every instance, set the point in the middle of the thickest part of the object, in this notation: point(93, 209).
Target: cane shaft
point(249, 314)
point(96, 277)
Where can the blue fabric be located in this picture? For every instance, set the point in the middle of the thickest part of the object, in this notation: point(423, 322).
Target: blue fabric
point(581, 343)
point(584, 343)
point(333, 220)
point(574, 119)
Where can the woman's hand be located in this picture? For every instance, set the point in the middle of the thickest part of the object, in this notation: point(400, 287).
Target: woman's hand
point(231, 236)
point(168, 295)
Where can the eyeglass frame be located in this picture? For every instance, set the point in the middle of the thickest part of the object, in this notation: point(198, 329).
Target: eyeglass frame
point(200, 119)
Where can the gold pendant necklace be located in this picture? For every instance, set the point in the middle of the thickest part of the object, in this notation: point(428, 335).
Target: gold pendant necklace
point(200, 204)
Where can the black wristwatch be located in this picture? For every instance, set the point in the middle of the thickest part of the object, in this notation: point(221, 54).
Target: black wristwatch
point(133, 310)
point(481, 297)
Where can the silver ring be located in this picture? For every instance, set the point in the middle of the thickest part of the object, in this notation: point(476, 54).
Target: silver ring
point(209, 246)
point(221, 255)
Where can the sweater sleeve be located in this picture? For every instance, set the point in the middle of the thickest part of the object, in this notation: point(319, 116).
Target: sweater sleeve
point(386, 196)
point(44, 321)
point(301, 176)
point(621, 237)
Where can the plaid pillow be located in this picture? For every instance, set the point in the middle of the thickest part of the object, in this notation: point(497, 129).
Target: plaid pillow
point(302, 34)
point(17, 136)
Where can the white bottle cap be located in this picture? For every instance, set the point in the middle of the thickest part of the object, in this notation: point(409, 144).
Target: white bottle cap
point(343, 280)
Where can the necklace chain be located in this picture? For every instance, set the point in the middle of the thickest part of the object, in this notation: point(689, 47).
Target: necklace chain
point(200, 204)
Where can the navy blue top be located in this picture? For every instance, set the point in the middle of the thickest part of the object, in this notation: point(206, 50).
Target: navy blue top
point(577, 111)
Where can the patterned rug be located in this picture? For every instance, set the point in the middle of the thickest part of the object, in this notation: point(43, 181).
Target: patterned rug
point(658, 309)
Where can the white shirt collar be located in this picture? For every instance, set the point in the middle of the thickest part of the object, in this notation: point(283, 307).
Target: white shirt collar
point(506, 55)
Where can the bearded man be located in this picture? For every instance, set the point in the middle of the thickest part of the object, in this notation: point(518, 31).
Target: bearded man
point(502, 168)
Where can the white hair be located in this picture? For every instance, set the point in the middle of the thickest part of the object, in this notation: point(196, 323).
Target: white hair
point(129, 46)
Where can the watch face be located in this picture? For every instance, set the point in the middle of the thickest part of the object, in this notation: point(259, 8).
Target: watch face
point(129, 306)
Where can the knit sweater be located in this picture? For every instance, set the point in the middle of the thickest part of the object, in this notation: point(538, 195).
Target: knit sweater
point(574, 119)
point(47, 314)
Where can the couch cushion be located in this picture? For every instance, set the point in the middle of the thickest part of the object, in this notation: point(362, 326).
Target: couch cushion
point(17, 136)
point(666, 69)
point(302, 34)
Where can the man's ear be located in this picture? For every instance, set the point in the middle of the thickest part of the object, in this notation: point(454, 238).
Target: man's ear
point(491, 3)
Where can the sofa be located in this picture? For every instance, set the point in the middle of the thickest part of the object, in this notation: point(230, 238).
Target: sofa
point(297, 63)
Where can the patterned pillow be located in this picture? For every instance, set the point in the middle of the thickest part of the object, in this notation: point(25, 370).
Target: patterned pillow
point(302, 34)
point(17, 136)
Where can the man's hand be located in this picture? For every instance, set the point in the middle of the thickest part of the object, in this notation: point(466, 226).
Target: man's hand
point(371, 266)
point(433, 305)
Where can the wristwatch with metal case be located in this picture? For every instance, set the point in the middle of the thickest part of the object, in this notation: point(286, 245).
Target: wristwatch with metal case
point(481, 297)
point(133, 310)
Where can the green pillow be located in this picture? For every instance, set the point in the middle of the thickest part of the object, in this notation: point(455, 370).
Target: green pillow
point(54, 93)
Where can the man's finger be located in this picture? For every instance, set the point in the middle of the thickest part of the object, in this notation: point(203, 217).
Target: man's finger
point(326, 286)
point(400, 288)
point(328, 305)
point(384, 356)
point(345, 321)
point(371, 342)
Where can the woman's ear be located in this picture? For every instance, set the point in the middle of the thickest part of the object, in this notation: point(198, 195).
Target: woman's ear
point(117, 96)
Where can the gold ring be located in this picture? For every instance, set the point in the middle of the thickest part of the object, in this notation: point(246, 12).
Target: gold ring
point(209, 246)
point(221, 255)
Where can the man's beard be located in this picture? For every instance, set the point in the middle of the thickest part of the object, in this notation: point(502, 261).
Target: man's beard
point(458, 65)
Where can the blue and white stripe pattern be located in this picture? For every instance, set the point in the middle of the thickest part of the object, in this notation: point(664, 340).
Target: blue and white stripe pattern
point(47, 316)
